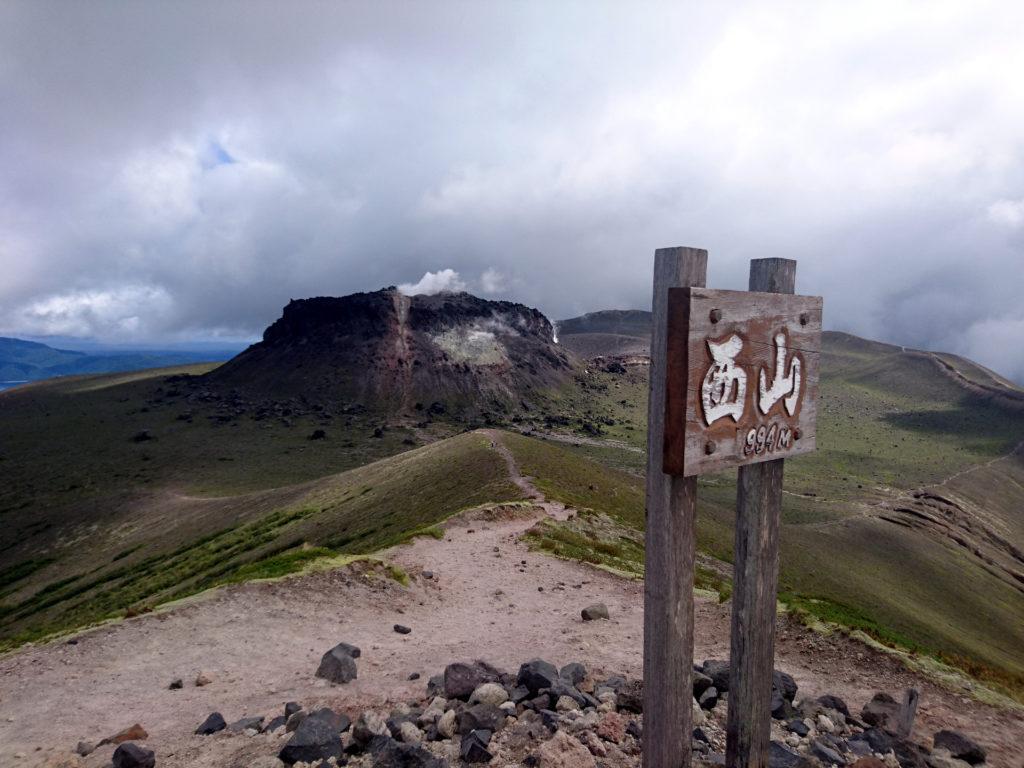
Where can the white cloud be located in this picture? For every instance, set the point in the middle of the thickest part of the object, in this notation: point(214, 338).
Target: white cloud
point(864, 140)
point(119, 314)
point(1009, 213)
point(442, 281)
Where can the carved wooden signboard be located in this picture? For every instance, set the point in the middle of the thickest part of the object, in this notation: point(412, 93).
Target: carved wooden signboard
point(741, 382)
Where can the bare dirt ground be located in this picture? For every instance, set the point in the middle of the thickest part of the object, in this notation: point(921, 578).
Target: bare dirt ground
point(489, 598)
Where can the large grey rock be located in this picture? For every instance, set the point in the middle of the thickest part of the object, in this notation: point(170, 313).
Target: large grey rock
point(701, 683)
point(594, 612)
point(338, 721)
point(130, 755)
point(960, 747)
point(573, 673)
point(339, 664)
point(314, 739)
point(784, 684)
point(254, 723)
point(473, 748)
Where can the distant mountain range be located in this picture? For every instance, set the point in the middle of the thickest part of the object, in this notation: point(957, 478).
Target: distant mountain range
point(23, 361)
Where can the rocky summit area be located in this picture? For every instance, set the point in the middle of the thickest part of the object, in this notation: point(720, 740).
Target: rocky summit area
point(388, 351)
point(542, 716)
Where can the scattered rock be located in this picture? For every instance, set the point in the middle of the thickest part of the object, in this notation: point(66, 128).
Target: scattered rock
point(960, 747)
point(718, 671)
point(834, 702)
point(869, 762)
point(826, 754)
point(402, 630)
point(536, 675)
point(630, 696)
point(368, 725)
point(564, 751)
point(460, 680)
point(266, 761)
point(203, 678)
point(594, 612)
point(709, 698)
point(489, 693)
point(212, 724)
point(409, 733)
point(246, 723)
point(130, 755)
point(574, 673)
point(799, 727)
point(84, 748)
point(318, 434)
point(612, 727)
point(473, 748)
point(780, 756)
point(132, 733)
point(339, 664)
point(176, 684)
point(314, 739)
point(882, 711)
point(480, 717)
point(446, 724)
point(701, 683)
point(291, 708)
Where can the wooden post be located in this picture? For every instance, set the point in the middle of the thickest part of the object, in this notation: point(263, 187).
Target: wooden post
point(670, 547)
point(755, 579)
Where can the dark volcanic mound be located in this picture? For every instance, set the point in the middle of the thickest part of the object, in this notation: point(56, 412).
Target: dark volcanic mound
point(386, 350)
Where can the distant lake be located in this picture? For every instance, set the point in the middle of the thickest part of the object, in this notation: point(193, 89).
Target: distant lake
point(8, 384)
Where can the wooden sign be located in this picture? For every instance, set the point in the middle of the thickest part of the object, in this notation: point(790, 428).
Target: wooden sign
point(741, 382)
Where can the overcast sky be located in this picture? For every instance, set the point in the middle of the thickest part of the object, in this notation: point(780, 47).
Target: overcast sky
point(174, 171)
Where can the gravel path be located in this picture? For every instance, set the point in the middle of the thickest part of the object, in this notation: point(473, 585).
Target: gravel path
point(489, 598)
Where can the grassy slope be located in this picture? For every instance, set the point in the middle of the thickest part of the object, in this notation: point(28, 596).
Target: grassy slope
point(888, 423)
point(109, 525)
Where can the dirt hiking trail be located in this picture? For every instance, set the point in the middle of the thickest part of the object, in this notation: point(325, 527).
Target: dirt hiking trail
point(488, 597)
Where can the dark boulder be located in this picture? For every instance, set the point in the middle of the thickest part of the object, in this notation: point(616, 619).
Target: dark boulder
point(701, 683)
point(709, 698)
point(318, 434)
point(460, 680)
point(255, 723)
point(780, 706)
point(388, 753)
point(213, 723)
point(314, 739)
point(278, 722)
point(402, 629)
point(339, 664)
point(473, 748)
point(594, 612)
point(718, 671)
point(909, 754)
point(960, 747)
point(784, 684)
point(573, 673)
point(780, 756)
point(339, 721)
point(834, 702)
point(291, 708)
point(826, 753)
point(480, 717)
point(129, 755)
point(799, 727)
point(630, 697)
point(537, 675)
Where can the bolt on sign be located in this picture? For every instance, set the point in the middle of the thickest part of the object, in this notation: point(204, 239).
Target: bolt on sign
point(741, 380)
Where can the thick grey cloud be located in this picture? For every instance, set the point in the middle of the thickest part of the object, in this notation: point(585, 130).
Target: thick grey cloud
point(180, 170)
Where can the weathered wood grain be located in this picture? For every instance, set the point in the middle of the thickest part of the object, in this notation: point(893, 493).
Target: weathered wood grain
point(670, 538)
point(755, 580)
point(699, 318)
